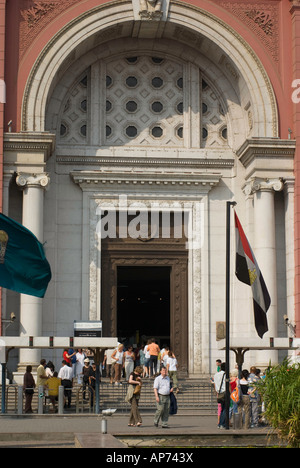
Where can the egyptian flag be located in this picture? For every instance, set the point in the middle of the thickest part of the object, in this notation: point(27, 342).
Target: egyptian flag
point(247, 271)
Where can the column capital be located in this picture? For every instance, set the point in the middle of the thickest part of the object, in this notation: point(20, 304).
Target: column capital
point(33, 180)
point(265, 185)
point(247, 189)
point(289, 185)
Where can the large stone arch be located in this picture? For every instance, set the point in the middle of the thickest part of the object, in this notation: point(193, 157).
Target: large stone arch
point(233, 69)
point(238, 120)
point(206, 34)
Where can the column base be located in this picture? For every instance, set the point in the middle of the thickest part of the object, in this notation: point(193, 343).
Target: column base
point(266, 358)
point(18, 376)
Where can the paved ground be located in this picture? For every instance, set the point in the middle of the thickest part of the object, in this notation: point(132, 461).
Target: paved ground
point(62, 431)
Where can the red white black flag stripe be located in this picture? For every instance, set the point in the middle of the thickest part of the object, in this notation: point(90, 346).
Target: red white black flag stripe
point(247, 271)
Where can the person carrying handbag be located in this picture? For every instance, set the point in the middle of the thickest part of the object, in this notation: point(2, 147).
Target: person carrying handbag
point(117, 357)
point(220, 388)
point(133, 396)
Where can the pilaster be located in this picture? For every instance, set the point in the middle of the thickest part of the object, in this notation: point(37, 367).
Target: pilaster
point(265, 248)
point(33, 186)
point(269, 165)
point(295, 28)
point(289, 205)
point(25, 156)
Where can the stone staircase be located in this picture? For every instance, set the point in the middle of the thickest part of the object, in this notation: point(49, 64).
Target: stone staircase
point(195, 396)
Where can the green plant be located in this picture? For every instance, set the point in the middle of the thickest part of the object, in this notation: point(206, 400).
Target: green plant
point(280, 392)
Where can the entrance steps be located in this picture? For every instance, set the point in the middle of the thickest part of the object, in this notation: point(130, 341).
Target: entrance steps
point(193, 396)
point(196, 396)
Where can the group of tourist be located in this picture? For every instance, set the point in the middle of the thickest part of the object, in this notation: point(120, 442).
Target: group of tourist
point(150, 358)
point(47, 378)
point(160, 364)
point(146, 361)
point(75, 364)
point(244, 397)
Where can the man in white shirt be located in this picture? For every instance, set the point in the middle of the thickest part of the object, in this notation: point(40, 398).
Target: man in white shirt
point(66, 376)
point(146, 372)
point(109, 364)
point(162, 389)
point(220, 387)
point(172, 370)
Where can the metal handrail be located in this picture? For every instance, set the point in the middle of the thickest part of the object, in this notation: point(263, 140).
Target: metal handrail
point(85, 391)
point(198, 396)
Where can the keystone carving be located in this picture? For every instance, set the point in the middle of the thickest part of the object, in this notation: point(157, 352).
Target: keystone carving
point(151, 9)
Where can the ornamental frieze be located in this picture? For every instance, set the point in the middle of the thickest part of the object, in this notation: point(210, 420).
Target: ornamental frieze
point(262, 18)
point(36, 12)
point(36, 15)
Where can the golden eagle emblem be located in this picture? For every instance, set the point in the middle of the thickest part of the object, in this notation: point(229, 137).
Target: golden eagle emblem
point(252, 276)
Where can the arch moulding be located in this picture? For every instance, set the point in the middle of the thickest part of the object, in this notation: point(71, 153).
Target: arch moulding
point(70, 42)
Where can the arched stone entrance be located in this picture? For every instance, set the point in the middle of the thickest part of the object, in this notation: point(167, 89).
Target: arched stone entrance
point(168, 254)
point(208, 156)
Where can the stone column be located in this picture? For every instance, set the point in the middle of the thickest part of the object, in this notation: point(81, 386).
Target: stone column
point(289, 185)
point(295, 26)
point(33, 186)
point(265, 251)
point(7, 178)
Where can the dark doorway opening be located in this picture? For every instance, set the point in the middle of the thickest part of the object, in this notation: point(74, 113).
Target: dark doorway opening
point(143, 304)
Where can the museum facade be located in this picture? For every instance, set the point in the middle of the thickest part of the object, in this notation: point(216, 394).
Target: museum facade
point(128, 125)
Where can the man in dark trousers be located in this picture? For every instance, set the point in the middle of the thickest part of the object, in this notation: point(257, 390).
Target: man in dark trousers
point(162, 389)
point(66, 376)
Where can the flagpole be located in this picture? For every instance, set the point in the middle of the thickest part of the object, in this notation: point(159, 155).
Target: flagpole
point(227, 394)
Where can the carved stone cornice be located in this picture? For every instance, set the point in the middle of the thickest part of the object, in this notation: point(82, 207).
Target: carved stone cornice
point(181, 163)
point(93, 180)
point(30, 142)
point(267, 157)
point(27, 151)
